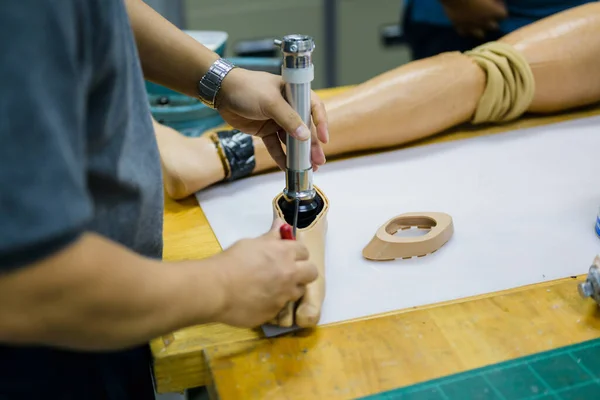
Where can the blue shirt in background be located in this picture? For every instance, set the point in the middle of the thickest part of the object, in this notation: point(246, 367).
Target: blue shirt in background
point(521, 12)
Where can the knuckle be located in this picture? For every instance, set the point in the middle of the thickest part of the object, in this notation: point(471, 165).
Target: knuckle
point(288, 274)
point(299, 291)
point(303, 250)
point(269, 106)
point(311, 269)
point(281, 273)
point(281, 248)
point(288, 248)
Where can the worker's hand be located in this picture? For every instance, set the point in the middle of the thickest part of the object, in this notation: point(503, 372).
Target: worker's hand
point(475, 17)
point(261, 275)
point(252, 102)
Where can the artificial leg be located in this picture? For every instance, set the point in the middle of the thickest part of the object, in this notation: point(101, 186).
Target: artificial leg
point(311, 231)
point(428, 96)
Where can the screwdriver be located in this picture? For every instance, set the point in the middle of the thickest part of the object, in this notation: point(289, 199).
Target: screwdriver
point(287, 232)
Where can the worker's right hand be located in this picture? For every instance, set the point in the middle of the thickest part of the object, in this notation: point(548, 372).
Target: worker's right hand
point(260, 276)
point(475, 17)
point(254, 102)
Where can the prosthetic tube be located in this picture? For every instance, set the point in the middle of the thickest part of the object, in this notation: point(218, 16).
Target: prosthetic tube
point(298, 72)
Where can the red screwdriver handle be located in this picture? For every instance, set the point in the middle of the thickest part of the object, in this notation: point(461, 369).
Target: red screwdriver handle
point(287, 232)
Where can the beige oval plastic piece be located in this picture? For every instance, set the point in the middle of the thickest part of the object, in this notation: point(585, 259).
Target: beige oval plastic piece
point(385, 246)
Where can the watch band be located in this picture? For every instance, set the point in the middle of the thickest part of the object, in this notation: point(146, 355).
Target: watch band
point(209, 85)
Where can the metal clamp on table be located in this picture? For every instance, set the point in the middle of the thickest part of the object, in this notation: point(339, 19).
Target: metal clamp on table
point(591, 286)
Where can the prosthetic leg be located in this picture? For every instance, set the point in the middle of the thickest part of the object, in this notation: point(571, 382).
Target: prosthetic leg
point(301, 204)
point(311, 230)
point(415, 101)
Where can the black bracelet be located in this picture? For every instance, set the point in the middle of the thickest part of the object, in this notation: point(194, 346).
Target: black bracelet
point(239, 152)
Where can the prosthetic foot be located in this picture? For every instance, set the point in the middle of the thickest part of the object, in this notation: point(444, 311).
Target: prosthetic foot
point(311, 230)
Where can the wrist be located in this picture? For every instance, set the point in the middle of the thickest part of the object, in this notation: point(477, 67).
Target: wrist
point(210, 84)
point(207, 62)
point(209, 290)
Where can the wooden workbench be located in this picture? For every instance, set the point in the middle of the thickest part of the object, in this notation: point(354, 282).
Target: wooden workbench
point(368, 355)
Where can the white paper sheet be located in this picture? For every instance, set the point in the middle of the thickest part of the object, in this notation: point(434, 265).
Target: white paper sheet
point(524, 205)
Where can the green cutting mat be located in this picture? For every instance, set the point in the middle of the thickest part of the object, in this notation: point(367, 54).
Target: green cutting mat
point(567, 373)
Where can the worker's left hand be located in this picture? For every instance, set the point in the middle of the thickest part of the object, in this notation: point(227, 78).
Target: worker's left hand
point(252, 102)
point(475, 17)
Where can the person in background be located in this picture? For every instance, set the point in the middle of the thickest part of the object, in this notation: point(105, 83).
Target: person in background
point(432, 27)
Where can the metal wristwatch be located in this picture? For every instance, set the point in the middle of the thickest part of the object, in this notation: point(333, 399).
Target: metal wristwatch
point(209, 85)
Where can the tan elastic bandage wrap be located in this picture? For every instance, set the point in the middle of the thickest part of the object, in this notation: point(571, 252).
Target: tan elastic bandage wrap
point(510, 84)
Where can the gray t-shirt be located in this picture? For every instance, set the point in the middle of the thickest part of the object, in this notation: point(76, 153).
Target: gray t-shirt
point(77, 154)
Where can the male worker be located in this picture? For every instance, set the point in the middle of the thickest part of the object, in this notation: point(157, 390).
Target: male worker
point(82, 285)
point(435, 26)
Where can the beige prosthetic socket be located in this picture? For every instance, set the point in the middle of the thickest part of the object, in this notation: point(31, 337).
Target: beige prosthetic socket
point(307, 311)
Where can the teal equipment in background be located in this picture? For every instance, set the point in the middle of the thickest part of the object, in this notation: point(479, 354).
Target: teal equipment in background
point(182, 113)
point(187, 114)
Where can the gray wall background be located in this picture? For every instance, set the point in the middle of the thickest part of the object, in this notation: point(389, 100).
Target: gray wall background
point(170, 9)
point(346, 32)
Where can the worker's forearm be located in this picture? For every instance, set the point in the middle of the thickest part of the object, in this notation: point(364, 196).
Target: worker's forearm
point(169, 56)
point(99, 295)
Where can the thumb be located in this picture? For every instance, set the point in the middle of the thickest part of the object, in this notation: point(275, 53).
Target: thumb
point(499, 8)
point(275, 226)
point(288, 119)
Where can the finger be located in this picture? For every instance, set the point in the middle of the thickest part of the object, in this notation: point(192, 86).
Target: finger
point(282, 137)
point(275, 226)
point(273, 146)
point(493, 25)
point(478, 33)
point(317, 155)
point(268, 128)
point(288, 119)
point(306, 272)
point(499, 9)
point(319, 117)
point(300, 251)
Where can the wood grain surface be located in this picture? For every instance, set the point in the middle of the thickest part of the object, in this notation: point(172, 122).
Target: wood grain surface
point(358, 358)
point(180, 362)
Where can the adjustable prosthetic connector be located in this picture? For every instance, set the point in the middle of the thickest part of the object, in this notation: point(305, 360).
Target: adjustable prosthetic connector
point(297, 71)
point(308, 210)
